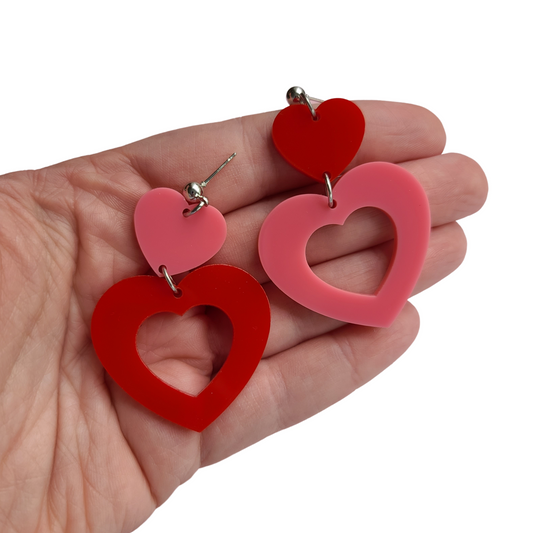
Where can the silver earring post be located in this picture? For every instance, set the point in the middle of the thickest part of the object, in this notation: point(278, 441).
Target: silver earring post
point(194, 192)
point(296, 95)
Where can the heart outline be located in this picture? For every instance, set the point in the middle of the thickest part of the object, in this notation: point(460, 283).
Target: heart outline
point(126, 305)
point(288, 228)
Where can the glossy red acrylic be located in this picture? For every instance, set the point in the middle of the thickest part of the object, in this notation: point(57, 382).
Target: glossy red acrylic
point(327, 144)
point(125, 306)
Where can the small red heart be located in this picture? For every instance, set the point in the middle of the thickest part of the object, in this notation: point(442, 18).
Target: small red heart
point(327, 144)
point(126, 305)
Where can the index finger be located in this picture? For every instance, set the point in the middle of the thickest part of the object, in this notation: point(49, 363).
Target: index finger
point(395, 133)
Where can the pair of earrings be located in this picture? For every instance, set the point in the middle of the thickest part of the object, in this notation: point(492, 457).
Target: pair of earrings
point(176, 237)
point(321, 143)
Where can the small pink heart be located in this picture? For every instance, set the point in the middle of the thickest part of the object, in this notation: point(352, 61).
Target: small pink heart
point(166, 237)
point(285, 232)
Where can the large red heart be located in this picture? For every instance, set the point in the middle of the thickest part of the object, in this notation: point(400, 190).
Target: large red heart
point(327, 144)
point(125, 306)
point(286, 231)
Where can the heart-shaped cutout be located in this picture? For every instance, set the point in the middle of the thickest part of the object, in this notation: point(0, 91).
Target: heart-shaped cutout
point(287, 229)
point(372, 262)
point(327, 144)
point(124, 307)
point(170, 347)
point(167, 237)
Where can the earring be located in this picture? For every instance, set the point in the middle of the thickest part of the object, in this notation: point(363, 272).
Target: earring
point(177, 233)
point(320, 143)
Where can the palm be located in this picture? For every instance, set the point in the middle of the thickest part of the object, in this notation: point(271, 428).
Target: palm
point(71, 438)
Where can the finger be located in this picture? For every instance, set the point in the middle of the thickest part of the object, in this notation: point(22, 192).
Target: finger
point(304, 380)
point(456, 187)
point(394, 132)
point(361, 272)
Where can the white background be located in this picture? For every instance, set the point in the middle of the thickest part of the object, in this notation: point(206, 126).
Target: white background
point(442, 440)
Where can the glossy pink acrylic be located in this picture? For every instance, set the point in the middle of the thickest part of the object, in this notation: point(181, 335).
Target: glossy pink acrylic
point(166, 237)
point(286, 231)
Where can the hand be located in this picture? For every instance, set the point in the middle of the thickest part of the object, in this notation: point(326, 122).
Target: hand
point(77, 452)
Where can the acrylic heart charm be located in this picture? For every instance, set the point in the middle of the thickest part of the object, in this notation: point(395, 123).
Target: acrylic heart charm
point(124, 307)
point(286, 231)
point(166, 237)
point(327, 144)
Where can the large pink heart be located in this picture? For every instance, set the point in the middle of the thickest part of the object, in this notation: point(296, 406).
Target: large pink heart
point(166, 237)
point(286, 231)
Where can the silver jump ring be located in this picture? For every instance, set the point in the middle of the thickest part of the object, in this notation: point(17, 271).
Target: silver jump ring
point(170, 281)
point(203, 203)
point(308, 104)
point(329, 190)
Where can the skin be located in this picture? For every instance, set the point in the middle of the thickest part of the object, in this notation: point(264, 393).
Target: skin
point(76, 453)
